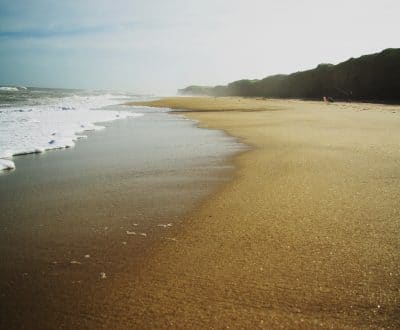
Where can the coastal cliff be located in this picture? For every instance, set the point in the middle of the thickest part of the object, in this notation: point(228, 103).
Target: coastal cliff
point(374, 77)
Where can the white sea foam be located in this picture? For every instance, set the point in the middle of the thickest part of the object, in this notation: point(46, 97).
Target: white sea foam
point(9, 89)
point(54, 125)
point(6, 164)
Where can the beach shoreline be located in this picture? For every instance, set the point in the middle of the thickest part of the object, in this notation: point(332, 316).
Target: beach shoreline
point(304, 236)
point(300, 230)
point(76, 223)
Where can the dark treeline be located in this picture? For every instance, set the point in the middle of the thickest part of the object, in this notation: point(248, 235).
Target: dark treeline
point(374, 77)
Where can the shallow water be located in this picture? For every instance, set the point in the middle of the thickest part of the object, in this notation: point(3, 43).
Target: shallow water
point(111, 197)
point(33, 120)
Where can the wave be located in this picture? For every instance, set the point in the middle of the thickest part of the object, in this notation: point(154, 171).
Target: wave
point(9, 89)
point(55, 125)
point(13, 88)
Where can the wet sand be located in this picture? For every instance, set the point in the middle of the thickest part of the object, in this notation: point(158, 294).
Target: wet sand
point(68, 216)
point(306, 235)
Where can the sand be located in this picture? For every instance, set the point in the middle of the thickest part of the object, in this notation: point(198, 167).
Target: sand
point(306, 235)
point(68, 216)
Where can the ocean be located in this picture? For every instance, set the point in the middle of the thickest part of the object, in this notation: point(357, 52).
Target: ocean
point(34, 120)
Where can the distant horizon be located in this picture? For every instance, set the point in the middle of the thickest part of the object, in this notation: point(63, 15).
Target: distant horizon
point(175, 93)
point(159, 47)
point(72, 88)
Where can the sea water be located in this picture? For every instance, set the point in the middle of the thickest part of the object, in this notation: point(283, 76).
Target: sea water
point(34, 120)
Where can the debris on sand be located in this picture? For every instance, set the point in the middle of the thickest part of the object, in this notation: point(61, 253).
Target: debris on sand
point(165, 225)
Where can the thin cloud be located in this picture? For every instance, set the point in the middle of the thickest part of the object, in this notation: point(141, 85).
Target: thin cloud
point(156, 45)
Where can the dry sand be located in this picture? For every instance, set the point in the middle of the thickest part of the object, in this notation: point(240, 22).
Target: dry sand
point(305, 236)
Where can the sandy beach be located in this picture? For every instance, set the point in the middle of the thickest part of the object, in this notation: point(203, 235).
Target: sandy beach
point(199, 165)
point(77, 223)
point(306, 235)
point(300, 230)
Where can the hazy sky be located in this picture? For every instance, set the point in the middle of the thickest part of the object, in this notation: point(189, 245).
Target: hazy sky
point(161, 45)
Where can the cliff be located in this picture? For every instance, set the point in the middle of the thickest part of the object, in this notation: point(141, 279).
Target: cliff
point(374, 77)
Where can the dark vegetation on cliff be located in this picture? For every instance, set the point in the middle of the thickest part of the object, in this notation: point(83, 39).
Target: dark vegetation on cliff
point(374, 77)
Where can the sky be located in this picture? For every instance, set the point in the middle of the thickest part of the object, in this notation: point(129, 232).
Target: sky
point(157, 46)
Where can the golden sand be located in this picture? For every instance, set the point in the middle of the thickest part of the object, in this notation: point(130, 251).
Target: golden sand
point(307, 233)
